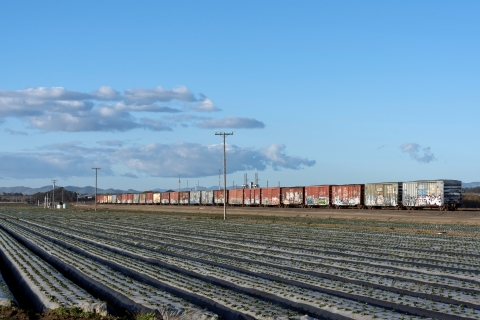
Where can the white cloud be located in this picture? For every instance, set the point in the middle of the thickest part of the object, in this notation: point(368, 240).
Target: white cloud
point(205, 105)
point(146, 108)
point(105, 109)
point(195, 160)
point(155, 125)
point(43, 93)
point(16, 132)
point(154, 160)
point(111, 143)
point(413, 149)
point(107, 93)
point(103, 119)
point(278, 158)
point(231, 122)
point(148, 96)
point(35, 165)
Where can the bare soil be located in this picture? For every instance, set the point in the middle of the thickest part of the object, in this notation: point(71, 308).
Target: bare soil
point(419, 216)
point(21, 314)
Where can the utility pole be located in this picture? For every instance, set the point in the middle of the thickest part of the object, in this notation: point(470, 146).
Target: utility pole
point(96, 171)
point(53, 194)
point(178, 183)
point(224, 171)
point(218, 179)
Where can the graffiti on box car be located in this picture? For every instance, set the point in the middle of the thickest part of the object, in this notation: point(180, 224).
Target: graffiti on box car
point(320, 201)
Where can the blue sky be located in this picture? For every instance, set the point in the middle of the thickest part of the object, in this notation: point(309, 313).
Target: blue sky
point(314, 91)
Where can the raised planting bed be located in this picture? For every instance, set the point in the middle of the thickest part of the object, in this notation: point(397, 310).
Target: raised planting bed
point(231, 303)
point(281, 271)
point(6, 297)
point(120, 290)
point(338, 289)
point(46, 287)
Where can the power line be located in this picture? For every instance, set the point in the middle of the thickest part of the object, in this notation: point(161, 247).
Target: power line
point(224, 172)
point(53, 193)
point(96, 170)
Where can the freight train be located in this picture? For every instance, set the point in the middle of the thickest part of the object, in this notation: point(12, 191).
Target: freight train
point(439, 194)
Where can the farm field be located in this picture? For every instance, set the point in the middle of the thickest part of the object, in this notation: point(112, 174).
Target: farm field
point(200, 267)
point(467, 216)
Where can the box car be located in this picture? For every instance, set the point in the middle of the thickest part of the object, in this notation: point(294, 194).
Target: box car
point(195, 197)
point(184, 197)
point(235, 197)
point(136, 198)
point(383, 194)
point(256, 196)
point(292, 196)
point(270, 196)
point(165, 196)
point(119, 198)
point(142, 198)
point(348, 195)
point(149, 197)
point(218, 197)
point(248, 197)
point(157, 198)
point(114, 198)
point(206, 197)
point(130, 198)
point(125, 198)
point(444, 194)
point(174, 197)
point(316, 196)
point(109, 198)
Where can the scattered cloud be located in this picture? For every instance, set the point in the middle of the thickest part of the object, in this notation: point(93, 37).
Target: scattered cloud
point(196, 160)
point(381, 147)
point(205, 105)
point(102, 119)
point(275, 154)
point(232, 122)
point(111, 143)
point(155, 125)
point(159, 94)
point(106, 93)
point(16, 132)
point(41, 164)
point(105, 109)
point(129, 175)
point(155, 160)
point(422, 155)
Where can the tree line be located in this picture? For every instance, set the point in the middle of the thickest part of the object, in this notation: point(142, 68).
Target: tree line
point(61, 195)
point(472, 190)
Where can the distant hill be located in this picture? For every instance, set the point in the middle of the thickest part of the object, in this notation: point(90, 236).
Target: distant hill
point(81, 190)
point(91, 190)
point(470, 184)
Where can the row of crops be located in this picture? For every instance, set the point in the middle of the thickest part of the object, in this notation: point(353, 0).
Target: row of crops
point(205, 269)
